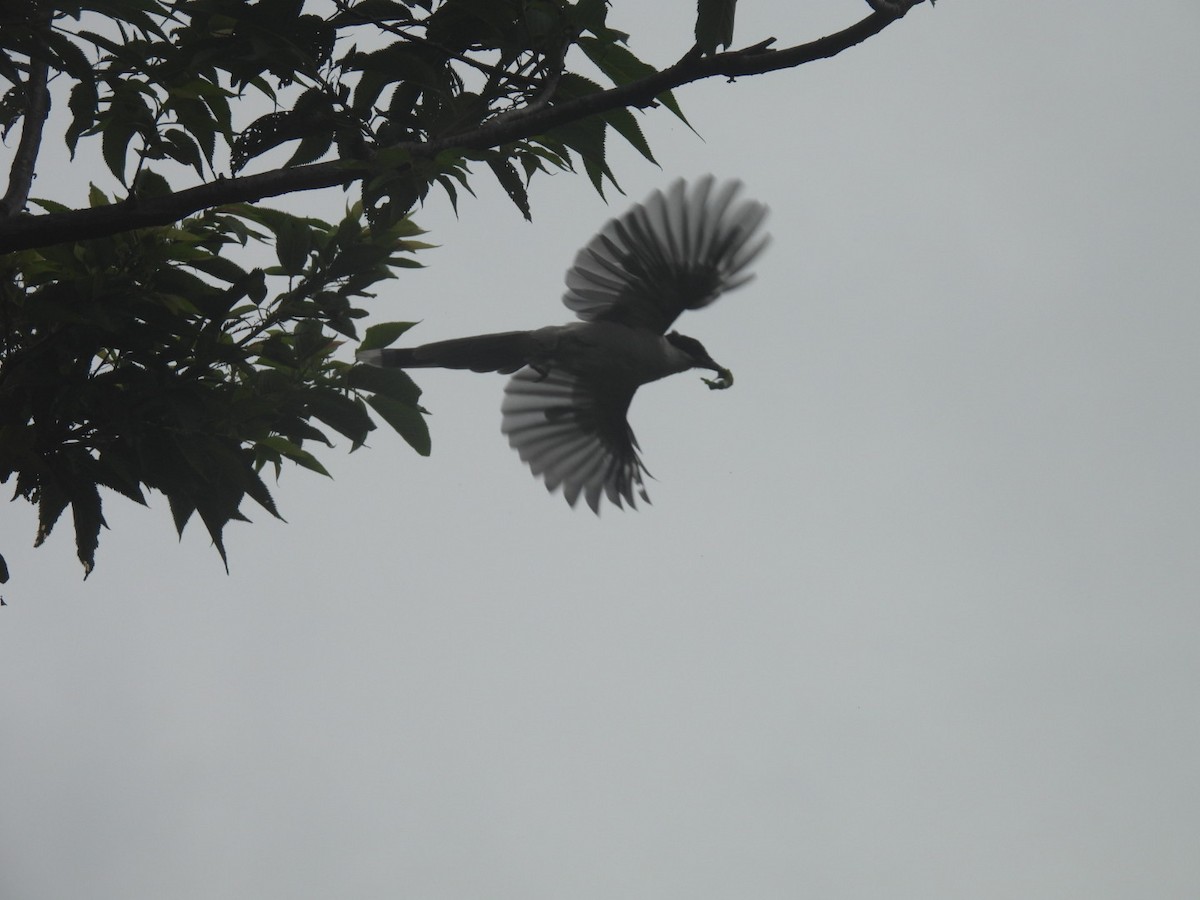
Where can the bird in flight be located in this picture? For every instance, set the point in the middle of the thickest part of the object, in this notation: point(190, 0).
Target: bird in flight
point(564, 410)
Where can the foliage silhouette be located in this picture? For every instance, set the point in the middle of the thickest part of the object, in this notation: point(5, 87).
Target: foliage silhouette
point(141, 349)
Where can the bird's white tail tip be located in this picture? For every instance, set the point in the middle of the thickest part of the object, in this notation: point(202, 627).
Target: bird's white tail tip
point(370, 357)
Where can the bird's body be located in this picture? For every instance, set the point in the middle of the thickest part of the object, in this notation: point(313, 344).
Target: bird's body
point(607, 350)
point(565, 408)
point(611, 353)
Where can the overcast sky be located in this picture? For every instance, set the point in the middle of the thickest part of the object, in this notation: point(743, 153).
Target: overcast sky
point(914, 613)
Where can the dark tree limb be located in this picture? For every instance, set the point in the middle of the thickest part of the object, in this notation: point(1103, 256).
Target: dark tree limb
point(37, 110)
point(23, 232)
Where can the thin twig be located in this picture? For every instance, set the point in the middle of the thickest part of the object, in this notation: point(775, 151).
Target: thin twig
point(491, 71)
point(545, 93)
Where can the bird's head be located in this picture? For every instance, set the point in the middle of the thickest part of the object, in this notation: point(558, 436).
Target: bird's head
point(699, 358)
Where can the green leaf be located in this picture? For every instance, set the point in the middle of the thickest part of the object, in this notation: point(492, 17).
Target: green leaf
point(220, 267)
point(585, 136)
point(311, 148)
point(668, 100)
point(590, 15)
point(372, 10)
point(407, 421)
point(181, 146)
point(114, 142)
point(714, 24)
point(85, 507)
point(510, 180)
point(66, 56)
point(116, 470)
point(52, 500)
point(618, 63)
point(149, 184)
point(626, 125)
point(259, 493)
point(258, 137)
point(293, 242)
point(82, 103)
point(384, 334)
point(345, 415)
point(215, 523)
point(451, 191)
point(295, 453)
point(393, 383)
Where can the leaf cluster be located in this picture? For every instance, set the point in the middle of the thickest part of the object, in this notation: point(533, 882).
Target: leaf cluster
point(142, 345)
point(151, 360)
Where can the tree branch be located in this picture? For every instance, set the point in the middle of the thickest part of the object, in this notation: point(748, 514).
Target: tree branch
point(23, 232)
point(37, 110)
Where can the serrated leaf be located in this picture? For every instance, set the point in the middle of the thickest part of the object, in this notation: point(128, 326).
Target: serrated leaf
point(181, 511)
point(451, 191)
point(218, 104)
point(85, 507)
point(215, 523)
point(714, 24)
point(384, 334)
point(395, 384)
point(510, 180)
point(590, 15)
point(596, 173)
point(82, 103)
point(51, 205)
point(52, 500)
point(293, 242)
point(668, 100)
point(113, 470)
point(220, 267)
point(407, 421)
point(295, 453)
point(345, 415)
point(70, 59)
point(618, 63)
point(258, 137)
point(585, 136)
point(181, 146)
point(113, 143)
point(311, 148)
point(623, 121)
point(104, 42)
point(259, 493)
point(371, 11)
point(149, 184)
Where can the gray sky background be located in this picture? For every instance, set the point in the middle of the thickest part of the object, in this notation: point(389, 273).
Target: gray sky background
point(914, 613)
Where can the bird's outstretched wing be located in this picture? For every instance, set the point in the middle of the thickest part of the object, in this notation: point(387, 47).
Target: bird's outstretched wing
point(573, 436)
point(677, 250)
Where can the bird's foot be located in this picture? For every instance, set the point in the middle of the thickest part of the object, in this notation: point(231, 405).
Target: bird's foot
point(723, 380)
